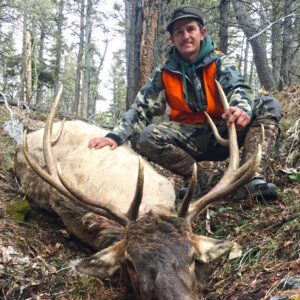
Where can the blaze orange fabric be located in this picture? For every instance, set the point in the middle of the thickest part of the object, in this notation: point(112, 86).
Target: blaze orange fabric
point(179, 110)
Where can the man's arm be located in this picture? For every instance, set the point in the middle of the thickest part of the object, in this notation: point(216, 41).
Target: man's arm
point(240, 95)
point(150, 102)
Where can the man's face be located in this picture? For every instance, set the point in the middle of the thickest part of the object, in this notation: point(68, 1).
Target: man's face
point(186, 37)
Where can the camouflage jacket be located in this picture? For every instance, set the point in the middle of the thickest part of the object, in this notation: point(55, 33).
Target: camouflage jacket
point(151, 99)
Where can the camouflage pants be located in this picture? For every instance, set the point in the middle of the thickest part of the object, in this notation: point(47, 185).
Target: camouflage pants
point(176, 146)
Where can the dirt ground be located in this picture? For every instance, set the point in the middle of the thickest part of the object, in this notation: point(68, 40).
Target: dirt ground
point(37, 254)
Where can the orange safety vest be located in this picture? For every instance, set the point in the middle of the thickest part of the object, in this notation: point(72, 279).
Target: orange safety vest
point(179, 110)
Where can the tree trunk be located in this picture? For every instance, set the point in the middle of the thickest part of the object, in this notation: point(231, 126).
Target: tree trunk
point(140, 40)
point(223, 31)
point(133, 12)
point(58, 46)
point(286, 45)
point(87, 60)
point(27, 62)
point(276, 43)
point(258, 45)
point(150, 23)
point(96, 81)
point(294, 69)
point(161, 47)
point(79, 59)
point(41, 64)
point(246, 54)
point(251, 73)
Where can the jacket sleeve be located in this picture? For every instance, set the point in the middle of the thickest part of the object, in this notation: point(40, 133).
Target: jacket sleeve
point(149, 102)
point(239, 94)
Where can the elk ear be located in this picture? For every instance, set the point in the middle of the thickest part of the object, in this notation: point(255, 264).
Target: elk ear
point(209, 249)
point(105, 263)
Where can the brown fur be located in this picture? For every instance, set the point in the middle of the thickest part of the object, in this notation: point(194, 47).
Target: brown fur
point(164, 243)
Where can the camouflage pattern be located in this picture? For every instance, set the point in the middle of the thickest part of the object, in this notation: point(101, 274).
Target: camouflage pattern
point(159, 142)
point(238, 93)
point(176, 146)
point(268, 147)
point(267, 112)
point(266, 107)
point(151, 100)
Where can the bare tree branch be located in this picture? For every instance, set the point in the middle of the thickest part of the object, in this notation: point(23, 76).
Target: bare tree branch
point(271, 24)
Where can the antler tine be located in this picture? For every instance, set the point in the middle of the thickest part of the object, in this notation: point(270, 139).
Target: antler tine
point(42, 173)
point(133, 210)
point(55, 179)
point(49, 158)
point(59, 187)
point(58, 135)
point(223, 142)
point(233, 177)
point(184, 207)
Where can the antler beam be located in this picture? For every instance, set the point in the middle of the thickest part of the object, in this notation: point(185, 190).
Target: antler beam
point(234, 176)
point(56, 179)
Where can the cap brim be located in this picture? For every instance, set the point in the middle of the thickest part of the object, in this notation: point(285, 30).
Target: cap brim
point(184, 17)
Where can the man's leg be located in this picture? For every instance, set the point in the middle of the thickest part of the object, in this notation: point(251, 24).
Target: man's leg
point(177, 147)
point(162, 144)
point(267, 113)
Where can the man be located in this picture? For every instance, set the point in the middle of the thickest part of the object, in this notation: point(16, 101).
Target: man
point(186, 84)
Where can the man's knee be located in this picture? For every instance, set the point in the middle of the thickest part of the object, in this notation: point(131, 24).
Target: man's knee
point(153, 142)
point(144, 137)
point(267, 107)
point(148, 141)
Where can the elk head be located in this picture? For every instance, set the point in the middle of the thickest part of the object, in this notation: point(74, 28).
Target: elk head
point(158, 251)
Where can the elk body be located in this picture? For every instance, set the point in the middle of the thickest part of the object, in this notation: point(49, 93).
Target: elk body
point(131, 223)
point(109, 176)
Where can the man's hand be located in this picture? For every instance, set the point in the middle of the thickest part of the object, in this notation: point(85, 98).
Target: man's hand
point(100, 142)
point(237, 116)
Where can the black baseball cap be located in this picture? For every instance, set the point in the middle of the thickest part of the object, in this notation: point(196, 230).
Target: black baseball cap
point(182, 12)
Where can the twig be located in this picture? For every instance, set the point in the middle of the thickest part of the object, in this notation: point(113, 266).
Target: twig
point(274, 287)
point(63, 269)
point(7, 106)
point(270, 25)
point(17, 183)
point(277, 226)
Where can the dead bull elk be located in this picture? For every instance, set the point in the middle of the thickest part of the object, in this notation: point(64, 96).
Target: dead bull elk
point(155, 247)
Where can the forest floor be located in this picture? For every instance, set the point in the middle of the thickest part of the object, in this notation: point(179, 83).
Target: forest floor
point(37, 255)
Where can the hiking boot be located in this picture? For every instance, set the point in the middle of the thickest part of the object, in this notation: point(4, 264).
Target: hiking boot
point(258, 189)
point(201, 185)
point(183, 190)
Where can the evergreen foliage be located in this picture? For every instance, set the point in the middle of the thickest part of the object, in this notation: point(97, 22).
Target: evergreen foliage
point(55, 40)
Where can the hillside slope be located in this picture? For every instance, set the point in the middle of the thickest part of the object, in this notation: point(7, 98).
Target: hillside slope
point(37, 253)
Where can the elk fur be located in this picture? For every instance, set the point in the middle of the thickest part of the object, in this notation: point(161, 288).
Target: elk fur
point(107, 175)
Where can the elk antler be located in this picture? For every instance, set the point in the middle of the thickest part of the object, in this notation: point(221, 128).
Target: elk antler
point(183, 209)
point(133, 210)
point(56, 179)
point(58, 135)
point(234, 177)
